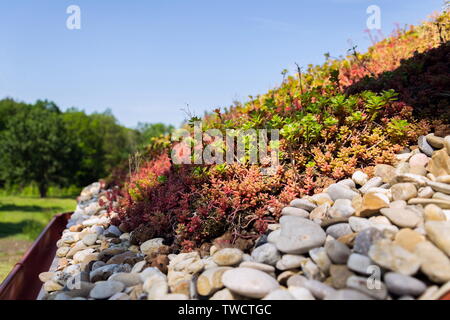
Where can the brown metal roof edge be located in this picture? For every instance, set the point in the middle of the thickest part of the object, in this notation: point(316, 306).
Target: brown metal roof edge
point(23, 282)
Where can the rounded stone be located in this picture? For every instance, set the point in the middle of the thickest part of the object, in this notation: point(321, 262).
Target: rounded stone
point(375, 182)
point(360, 284)
point(106, 289)
point(360, 177)
point(372, 203)
point(342, 208)
point(249, 282)
point(385, 172)
point(158, 290)
point(82, 255)
point(443, 204)
point(303, 204)
point(62, 252)
point(347, 294)
point(359, 263)
point(120, 296)
point(139, 266)
point(210, 280)
point(408, 239)
point(128, 279)
point(318, 289)
point(403, 218)
point(379, 220)
point(339, 274)
point(46, 276)
point(52, 285)
point(311, 270)
point(320, 212)
point(300, 293)
point(443, 179)
point(393, 257)
point(321, 259)
point(299, 235)
point(125, 257)
point(322, 198)
point(402, 285)
point(434, 213)
point(151, 273)
point(339, 230)
point(403, 191)
point(223, 294)
point(402, 167)
point(296, 280)
point(339, 191)
point(359, 224)
point(97, 229)
point(284, 276)
point(439, 234)
point(349, 183)
point(290, 261)
point(151, 246)
point(90, 239)
point(292, 211)
point(398, 204)
point(257, 266)
point(62, 296)
point(424, 146)
point(113, 232)
point(420, 160)
point(447, 144)
point(365, 239)
point(337, 251)
point(279, 294)
point(267, 254)
point(106, 271)
point(439, 164)
point(425, 192)
point(434, 263)
point(435, 141)
point(228, 257)
point(76, 248)
point(273, 236)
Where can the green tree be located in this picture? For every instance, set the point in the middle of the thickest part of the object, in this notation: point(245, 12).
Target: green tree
point(8, 108)
point(103, 143)
point(89, 142)
point(35, 147)
point(150, 130)
point(118, 142)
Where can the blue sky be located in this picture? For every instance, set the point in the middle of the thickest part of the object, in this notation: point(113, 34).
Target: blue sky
point(145, 60)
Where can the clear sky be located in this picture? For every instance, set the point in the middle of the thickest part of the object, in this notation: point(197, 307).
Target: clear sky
point(145, 60)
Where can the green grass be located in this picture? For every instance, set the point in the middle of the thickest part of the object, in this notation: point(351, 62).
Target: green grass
point(25, 217)
point(32, 191)
point(21, 220)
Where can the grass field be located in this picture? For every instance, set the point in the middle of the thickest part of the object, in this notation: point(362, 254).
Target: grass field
point(21, 221)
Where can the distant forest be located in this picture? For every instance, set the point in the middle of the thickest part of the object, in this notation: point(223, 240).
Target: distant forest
point(41, 145)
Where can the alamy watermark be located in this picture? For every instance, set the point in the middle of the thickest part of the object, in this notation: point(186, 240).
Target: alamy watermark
point(374, 279)
point(73, 21)
point(374, 20)
point(74, 282)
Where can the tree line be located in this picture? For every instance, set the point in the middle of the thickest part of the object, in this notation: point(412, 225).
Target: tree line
point(41, 144)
